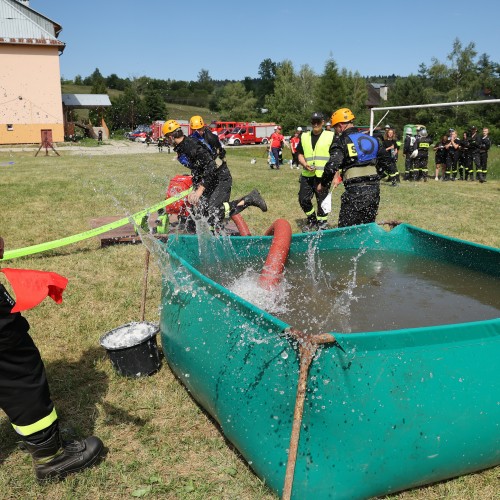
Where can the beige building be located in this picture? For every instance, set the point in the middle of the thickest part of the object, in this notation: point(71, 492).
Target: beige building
point(30, 78)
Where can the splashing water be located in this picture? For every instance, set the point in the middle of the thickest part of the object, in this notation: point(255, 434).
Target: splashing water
point(247, 287)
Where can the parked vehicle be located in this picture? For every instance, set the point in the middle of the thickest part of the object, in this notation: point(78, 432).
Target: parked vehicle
point(218, 127)
point(156, 129)
point(139, 133)
point(251, 133)
point(223, 136)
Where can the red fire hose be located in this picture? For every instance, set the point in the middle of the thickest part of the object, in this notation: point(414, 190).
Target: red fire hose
point(271, 274)
point(241, 225)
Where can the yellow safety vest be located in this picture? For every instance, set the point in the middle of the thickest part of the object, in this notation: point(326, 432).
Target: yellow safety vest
point(319, 156)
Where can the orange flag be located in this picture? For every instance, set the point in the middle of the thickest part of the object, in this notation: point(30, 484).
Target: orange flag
point(31, 287)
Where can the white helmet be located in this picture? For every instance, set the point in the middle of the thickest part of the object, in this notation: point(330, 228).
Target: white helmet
point(409, 131)
point(299, 129)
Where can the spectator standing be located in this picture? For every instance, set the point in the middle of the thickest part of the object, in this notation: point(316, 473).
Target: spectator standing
point(355, 156)
point(313, 153)
point(277, 139)
point(440, 157)
point(294, 142)
point(407, 151)
point(391, 151)
point(464, 158)
point(420, 162)
point(483, 152)
point(452, 152)
point(475, 148)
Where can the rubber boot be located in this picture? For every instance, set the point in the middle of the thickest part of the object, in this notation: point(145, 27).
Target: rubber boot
point(54, 459)
point(253, 199)
point(311, 225)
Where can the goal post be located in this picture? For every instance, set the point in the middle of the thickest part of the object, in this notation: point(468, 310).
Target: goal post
point(436, 105)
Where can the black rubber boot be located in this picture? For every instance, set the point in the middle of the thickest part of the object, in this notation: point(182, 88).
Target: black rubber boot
point(311, 225)
point(254, 199)
point(54, 459)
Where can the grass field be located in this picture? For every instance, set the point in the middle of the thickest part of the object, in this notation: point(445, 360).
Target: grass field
point(161, 444)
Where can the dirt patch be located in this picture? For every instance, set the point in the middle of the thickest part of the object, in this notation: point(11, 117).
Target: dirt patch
point(115, 147)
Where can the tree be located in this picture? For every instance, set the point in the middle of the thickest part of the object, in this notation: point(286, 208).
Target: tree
point(205, 82)
point(330, 91)
point(127, 111)
point(237, 104)
point(356, 95)
point(290, 105)
point(154, 106)
point(265, 86)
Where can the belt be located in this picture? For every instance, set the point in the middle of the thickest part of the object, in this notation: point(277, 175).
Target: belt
point(352, 172)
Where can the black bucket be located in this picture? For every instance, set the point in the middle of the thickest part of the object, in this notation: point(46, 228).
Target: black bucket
point(132, 349)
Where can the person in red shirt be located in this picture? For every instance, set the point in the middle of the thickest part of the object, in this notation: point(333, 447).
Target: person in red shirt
point(277, 139)
point(294, 141)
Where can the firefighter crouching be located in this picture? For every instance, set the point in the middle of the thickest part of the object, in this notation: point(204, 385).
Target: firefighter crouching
point(205, 135)
point(212, 183)
point(355, 155)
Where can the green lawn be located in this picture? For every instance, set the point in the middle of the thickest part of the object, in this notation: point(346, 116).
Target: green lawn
point(161, 444)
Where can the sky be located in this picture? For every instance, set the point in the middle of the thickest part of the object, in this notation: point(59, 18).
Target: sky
point(176, 40)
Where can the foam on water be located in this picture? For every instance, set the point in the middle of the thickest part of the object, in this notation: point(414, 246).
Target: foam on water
point(128, 335)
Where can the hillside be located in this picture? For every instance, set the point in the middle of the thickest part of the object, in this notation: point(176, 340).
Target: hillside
point(177, 111)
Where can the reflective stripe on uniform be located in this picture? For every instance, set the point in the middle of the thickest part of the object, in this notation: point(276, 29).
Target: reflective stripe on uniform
point(350, 173)
point(226, 209)
point(43, 423)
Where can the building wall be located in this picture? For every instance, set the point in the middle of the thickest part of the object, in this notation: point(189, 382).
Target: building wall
point(30, 94)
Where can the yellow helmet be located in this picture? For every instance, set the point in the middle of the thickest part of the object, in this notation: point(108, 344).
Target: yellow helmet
point(170, 126)
point(196, 122)
point(342, 115)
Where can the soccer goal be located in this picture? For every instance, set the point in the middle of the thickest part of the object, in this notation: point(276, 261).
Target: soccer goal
point(436, 105)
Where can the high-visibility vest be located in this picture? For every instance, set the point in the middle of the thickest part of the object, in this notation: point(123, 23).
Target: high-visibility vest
point(319, 156)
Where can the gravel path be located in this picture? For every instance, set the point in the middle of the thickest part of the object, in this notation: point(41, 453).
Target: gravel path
point(115, 147)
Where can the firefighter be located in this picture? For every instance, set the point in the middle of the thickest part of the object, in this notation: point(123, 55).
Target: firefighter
point(313, 151)
point(25, 398)
point(464, 158)
point(421, 160)
point(203, 133)
point(452, 152)
point(440, 157)
point(475, 153)
point(211, 182)
point(483, 152)
point(391, 151)
point(355, 155)
point(407, 151)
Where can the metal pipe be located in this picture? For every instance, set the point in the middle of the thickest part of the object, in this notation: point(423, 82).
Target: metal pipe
point(436, 105)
